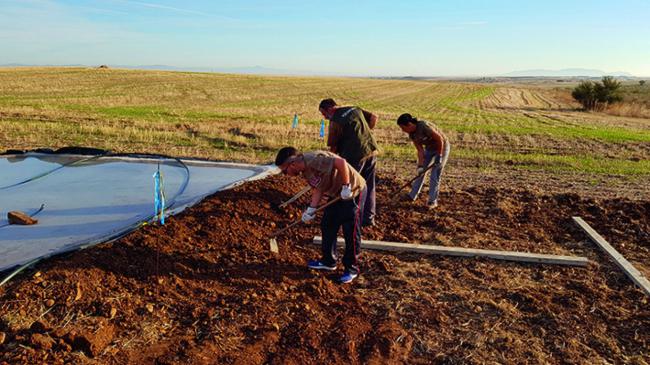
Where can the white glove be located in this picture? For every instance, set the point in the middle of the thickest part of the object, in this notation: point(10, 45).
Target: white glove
point(309, 215)
point(346, 192)
point(420, 170)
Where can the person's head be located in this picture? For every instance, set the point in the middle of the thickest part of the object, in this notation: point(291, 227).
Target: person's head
point(287, 161)
point(327, 107)
point(407, 122)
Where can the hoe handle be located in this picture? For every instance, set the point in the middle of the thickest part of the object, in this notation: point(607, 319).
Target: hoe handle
point(277, 233)
point(418, 176)
point(295, 197)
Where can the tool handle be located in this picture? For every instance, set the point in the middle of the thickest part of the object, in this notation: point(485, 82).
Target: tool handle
point(418, 176)
point(295, 197)
point(279, 232)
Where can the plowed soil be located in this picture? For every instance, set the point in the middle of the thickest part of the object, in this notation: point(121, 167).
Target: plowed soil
point(204, 288)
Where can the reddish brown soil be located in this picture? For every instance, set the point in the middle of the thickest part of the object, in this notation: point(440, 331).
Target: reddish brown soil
point(204, 289)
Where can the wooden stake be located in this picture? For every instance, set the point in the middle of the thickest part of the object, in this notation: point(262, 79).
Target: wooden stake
point(627, 267)
point(469, 252)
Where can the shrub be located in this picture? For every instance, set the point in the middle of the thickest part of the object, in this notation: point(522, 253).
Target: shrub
point(598, 95)
point(585, 93)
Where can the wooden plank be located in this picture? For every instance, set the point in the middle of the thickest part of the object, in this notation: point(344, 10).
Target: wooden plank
point(625, 265)
point(469, 252)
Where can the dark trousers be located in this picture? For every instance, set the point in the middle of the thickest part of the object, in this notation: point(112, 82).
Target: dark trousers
point(346, 214)
point(367, 170)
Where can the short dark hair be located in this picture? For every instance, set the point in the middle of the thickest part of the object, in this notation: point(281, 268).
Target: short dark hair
point(326, 103)
point(405, 119)
point(284, 154)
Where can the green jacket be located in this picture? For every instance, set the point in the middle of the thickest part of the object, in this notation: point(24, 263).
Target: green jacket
point(356, 141)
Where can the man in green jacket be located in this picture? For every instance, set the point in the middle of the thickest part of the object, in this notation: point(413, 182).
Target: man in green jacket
point(350, 137)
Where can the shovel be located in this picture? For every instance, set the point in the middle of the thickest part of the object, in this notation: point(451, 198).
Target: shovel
point(273, 244)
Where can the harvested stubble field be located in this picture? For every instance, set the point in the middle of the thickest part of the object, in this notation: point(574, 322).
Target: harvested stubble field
point(205, 289)
point(498, 132)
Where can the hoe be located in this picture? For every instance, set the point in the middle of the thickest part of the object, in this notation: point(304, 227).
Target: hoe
point(273, 244)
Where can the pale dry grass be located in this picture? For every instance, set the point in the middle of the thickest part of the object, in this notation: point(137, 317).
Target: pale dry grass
point(632, 110)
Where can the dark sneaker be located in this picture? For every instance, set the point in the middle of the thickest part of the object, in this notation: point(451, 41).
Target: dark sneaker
point(432, 205)
point(368, 223)
point(318, 265)
point(347, 277)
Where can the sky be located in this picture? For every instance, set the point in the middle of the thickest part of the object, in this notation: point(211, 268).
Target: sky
point(352, 37)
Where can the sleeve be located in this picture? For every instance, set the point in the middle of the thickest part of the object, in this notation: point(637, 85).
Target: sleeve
point(323, 164)
point(371, 118)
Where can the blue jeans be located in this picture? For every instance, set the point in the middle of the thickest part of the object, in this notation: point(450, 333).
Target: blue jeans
point(436, 172)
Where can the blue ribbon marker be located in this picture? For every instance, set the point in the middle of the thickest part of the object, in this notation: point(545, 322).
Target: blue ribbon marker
point(295, 121)
point(159, 196)
point(322, 128)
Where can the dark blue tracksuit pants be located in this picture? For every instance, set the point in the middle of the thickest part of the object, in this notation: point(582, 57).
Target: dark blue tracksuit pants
point(367, 170)
point(347, 214)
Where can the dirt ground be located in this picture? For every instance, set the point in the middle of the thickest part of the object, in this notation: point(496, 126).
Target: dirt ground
point(204, 288)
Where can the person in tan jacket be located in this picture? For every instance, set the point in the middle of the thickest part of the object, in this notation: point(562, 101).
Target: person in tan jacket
point(330, 176)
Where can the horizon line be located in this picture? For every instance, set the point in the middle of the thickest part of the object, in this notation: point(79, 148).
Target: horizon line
point(305, 73)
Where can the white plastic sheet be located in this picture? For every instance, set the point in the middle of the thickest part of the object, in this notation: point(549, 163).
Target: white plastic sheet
point(90, 200)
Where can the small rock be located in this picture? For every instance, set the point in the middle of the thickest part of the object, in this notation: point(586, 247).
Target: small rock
point(59, 333)
point(37, 274)
point(20, 218)
point(149, 308)
point(3, 336)
point(42, 342)
point(93, 335)
point(113, 312)
point(79, 293)
point(49, 303)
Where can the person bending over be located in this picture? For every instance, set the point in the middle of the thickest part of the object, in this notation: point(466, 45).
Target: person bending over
point(330, 176)
point(432, 147)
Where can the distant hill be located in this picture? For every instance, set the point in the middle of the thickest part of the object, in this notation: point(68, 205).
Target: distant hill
point(567, 72)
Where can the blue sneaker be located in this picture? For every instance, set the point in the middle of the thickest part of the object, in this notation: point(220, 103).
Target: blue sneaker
point(318, 265)
point(347, 277)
